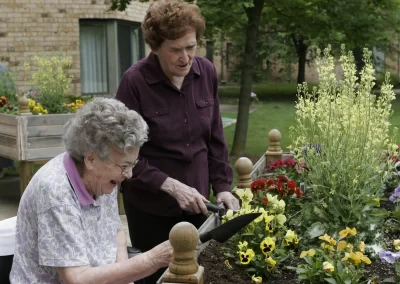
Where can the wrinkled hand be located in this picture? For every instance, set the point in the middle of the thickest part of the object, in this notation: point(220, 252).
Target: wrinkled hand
point(230, 201)
point(189, 198)
point(161, 255)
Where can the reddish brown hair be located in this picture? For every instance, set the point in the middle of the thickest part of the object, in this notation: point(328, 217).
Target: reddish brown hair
point(171, 19)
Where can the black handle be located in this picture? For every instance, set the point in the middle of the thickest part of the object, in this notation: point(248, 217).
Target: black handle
point(205, 237)
point(213, 207)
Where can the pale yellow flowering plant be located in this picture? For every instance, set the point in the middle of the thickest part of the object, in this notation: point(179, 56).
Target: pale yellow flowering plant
point(342, 134)
point(266, 242)
point(335, 261)
point(51, 80)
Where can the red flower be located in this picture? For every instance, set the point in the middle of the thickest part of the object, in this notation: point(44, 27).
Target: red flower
point(270, 182)
point(298, 192)
point(282, 178)
point(265, 201)
point(291, 184)
point(289, 162)
point(258, 184)
point(395, 159)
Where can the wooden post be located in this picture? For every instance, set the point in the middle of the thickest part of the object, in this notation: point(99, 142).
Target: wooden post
point(25, 174)
point(23, 103)
point(121, 207)
point(184, 268)
point(244, 167)
point(274, 151)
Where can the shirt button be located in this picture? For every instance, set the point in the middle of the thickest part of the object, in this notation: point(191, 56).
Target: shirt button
point(180, 95)
point(185, 120)
point(156, 112)
point(188, 144)
point(206, 103)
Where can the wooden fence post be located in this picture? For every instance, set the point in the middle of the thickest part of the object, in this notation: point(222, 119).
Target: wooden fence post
point(244, 167)
point(274, 151)
point(184, 268)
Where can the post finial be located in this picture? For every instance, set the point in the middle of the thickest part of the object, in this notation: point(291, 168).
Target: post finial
point(274, 151)
point(244, 167)
point(23, 103)
point(184, 238)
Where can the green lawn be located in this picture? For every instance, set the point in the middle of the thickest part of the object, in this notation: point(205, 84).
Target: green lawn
point(279, 115)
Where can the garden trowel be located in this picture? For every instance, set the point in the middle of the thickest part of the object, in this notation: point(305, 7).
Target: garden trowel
point(225, 231)
point(221, 211)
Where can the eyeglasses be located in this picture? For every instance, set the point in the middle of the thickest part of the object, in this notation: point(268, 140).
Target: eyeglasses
point(125, 169)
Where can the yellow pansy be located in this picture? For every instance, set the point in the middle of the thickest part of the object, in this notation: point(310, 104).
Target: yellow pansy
point(256, 279)
point(341, 245)
point(349, 247)
point(357, 257)
point(328, 239)
point(268, 224)
point(227, 216)
point(290, 238)
point(228, 264)
point(261, 217)
point(246, 257)
point(31, 103)
point(377, 202)
point(271, 262)
point(326, 246)
point(362, 247)
point(242, 246)
point(396, 244)
point(281, 219)
point(245, 195)
point(344, 233)
point(267, 245)
point(310, 252)
point(328, 267)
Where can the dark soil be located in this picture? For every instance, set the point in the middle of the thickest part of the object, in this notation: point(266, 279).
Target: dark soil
point(216, 272)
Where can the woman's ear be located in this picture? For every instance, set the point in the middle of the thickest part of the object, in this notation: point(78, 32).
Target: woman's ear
point(89, 160)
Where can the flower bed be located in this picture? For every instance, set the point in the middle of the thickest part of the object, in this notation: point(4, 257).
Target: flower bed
point(344, 228)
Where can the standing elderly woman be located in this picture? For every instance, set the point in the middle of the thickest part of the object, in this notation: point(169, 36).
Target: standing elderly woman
point(176, 93)
point(68, 227)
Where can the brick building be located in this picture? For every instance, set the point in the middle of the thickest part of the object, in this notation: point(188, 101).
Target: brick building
point(102, 43)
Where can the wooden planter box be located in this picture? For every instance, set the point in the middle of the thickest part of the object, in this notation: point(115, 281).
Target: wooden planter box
point(32, 137)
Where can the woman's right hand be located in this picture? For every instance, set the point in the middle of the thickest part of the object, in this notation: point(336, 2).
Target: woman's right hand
point(189, 198)
point(161, 255)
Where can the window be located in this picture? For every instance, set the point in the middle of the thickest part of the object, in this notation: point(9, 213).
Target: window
point(107, 49)
point(92, 39)
point(210, 51)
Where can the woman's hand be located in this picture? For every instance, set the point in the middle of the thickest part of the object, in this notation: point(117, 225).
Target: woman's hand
point(230, 201)
point(189, 198)
point(161, 255)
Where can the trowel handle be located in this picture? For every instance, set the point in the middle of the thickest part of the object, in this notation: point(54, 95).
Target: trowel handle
point(213, 207)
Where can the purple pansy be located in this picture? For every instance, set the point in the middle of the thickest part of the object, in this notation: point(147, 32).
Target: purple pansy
point(388, 256)
point(395, 197)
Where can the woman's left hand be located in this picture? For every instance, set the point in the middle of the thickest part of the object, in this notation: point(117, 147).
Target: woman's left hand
point(230, 201)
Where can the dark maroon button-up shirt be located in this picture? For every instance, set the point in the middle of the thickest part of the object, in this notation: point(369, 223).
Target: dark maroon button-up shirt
point(186, 140)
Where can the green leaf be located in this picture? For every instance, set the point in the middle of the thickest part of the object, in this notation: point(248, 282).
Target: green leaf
point(300, 270)
point(251, 270)
point(248, 234)
point(397, 267)
point(330, 280)
point(303, 276)
point(389, 280)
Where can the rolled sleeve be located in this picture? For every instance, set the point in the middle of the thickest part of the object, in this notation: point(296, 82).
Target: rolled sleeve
point(61, 237)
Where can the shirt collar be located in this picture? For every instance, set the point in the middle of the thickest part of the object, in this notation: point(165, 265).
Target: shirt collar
point(154, 74)
point(76, 181)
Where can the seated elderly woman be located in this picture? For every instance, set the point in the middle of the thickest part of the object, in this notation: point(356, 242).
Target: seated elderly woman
point(68, 227)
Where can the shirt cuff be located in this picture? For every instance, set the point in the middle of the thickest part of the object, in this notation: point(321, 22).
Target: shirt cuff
point(217, 188)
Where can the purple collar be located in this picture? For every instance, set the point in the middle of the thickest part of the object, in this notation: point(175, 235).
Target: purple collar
point(76, 181)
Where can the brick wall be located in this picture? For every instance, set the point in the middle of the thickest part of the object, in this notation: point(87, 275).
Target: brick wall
point(50, 27)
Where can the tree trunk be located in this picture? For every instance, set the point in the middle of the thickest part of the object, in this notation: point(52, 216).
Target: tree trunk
point(358, 58)
point(301, 50)
point(246, 81)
